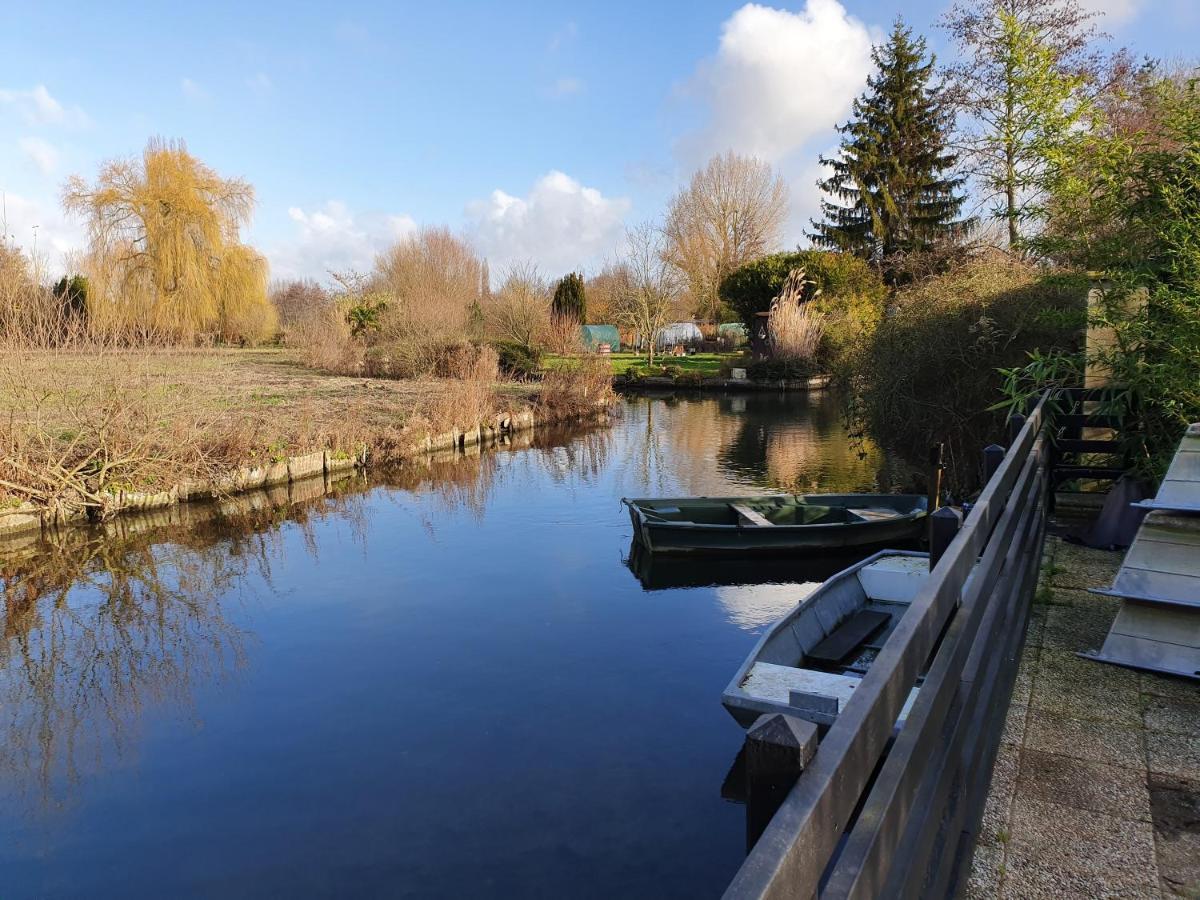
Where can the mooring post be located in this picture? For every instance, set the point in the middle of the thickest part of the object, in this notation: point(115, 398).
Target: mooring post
point(993, 455)
point(937, 464)
point(778, 748)
point(937, 456)
point(943, 526)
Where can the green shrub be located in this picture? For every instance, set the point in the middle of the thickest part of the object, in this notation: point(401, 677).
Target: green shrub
point(852, 295)
point(930, 372)
point(781, 369)
point(672, 371)
point(518, 361)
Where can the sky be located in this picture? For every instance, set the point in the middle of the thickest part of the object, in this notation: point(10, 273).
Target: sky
point(537, 130)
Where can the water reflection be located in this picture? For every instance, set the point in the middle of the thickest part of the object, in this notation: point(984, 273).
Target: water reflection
point(440, 680)
point(98, 625)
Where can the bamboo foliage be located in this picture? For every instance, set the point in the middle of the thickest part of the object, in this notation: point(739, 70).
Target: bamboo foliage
point(164, 250)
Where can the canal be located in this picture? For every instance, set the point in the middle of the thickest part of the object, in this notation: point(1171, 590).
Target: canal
point(441, 683)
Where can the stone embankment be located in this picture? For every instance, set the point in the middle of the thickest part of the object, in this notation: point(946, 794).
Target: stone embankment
point(28, 519)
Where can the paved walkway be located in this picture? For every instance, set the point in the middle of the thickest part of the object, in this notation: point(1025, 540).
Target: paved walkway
point(1096, 789)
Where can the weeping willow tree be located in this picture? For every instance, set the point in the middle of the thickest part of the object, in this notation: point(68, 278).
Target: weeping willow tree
point(165, 256)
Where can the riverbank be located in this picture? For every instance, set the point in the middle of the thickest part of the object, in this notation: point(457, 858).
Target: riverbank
point(93, 434)
point(1096, 787)
point(695, 383)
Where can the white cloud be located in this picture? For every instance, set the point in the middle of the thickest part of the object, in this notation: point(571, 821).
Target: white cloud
point(779, 79)
point(1115, 12)
point(38, 106)
point(29, 221)
point(193, 90)
point(566, 87)
point(41, 153)
point(560, 224)
point(332, 238)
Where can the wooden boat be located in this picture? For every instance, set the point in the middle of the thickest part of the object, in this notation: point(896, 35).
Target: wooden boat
point(808, 663)
point(783, 524)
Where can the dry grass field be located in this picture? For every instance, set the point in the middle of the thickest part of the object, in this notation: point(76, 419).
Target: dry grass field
point(79, 423)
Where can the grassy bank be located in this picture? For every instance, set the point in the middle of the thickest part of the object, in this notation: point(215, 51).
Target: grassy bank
point(81, 425)
point(707, 365)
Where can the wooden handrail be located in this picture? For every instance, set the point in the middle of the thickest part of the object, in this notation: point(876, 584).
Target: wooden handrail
point(794, 852)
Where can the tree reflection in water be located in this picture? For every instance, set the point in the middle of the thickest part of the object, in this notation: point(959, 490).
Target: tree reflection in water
point(101, 623)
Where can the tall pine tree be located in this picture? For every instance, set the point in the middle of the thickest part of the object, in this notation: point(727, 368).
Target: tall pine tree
point(569, 299)
point(893, 191)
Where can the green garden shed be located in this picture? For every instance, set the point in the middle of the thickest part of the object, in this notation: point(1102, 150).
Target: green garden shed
point(595, 335)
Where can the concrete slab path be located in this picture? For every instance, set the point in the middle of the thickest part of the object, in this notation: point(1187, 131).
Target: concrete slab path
point(1096, 789)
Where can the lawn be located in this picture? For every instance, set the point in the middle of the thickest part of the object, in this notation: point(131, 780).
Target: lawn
point(706, 364)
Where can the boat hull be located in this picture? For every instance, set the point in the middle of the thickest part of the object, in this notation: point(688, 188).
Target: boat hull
point(778, 663)
point(682, 538)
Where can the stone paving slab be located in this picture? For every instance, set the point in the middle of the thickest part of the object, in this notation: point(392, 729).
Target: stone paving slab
point(1096, 787)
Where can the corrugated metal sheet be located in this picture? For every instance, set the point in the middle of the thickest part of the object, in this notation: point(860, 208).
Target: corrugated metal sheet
point(1158, 625)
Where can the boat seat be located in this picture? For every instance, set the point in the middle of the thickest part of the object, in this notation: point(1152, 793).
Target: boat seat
point(875, 515)
point(747, 516)
point(768, 681)
point(842, 641)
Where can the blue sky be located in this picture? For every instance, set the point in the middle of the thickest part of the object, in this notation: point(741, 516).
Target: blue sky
point(536, 129)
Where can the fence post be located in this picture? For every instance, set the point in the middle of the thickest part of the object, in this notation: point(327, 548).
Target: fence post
point(993, 455)
point(943, 526)
point(1015, 423)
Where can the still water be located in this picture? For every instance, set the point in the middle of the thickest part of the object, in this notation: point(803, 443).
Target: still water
point(446, 682)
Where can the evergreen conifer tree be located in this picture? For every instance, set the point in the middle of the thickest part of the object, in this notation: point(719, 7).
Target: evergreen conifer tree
point(893, 191)
point(569, 299)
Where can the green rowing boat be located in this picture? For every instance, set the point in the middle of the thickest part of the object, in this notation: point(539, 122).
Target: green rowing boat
point(783, 524)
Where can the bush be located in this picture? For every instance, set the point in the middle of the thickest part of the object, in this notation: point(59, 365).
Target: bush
point(851, 299)
point(781, 369)
point(581, 386)
point(672, 371)
point(930, 372)
point(518, 361)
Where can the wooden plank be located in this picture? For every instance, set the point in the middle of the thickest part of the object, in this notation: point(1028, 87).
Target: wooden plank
point(1067, 473)
point(1145, 583)
point(748, 516)
point(1080, 446)
point(862, 865)
point(875, 515)
point(1089, 421)
point(847, 636)
point(766, 681)
point(1178, 494)
point(794, 850)
point(1163, 556)
point(1184, 467)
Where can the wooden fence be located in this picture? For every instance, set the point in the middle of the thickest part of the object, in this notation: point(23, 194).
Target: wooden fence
point(880, 813)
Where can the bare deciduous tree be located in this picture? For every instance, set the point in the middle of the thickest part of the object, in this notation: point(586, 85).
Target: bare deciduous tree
point(648, 287)
point(297, 298)
point(731, 212)
point(602, 291)
point(432, 279)
point(520, 310)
